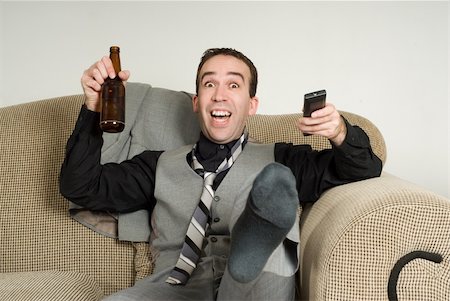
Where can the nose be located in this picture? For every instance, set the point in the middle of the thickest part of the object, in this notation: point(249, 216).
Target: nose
point(219, 93)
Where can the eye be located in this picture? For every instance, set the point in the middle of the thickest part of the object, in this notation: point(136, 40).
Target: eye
point(234, 86)
point(208, 84)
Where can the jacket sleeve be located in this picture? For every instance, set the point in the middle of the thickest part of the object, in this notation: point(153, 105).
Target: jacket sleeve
point(123, 187)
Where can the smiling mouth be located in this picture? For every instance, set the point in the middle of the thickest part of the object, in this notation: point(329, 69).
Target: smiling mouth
point(220, 114)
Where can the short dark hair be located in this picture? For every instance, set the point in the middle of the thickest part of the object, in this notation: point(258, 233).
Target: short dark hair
point(239, 55)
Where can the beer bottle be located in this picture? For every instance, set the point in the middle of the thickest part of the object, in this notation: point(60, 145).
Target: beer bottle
point(112, 117)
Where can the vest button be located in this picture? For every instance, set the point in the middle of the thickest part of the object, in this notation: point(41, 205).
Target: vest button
point(216, 220)
point(217, 198)
point(214, 239)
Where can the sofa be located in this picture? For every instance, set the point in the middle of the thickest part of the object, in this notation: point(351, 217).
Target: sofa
point(377, 239)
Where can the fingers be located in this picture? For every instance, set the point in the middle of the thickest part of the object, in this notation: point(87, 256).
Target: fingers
point(325, 122)
point(99, 71)
point(106, 68)
point(94, 77)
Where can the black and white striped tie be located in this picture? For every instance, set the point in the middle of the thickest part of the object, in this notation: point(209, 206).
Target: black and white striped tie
point(192, 247)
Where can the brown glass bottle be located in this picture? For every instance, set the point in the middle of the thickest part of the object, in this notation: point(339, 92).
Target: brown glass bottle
point(112, 117)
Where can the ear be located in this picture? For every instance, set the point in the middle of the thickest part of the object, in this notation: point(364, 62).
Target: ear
point(254, 103)
point(195, 103)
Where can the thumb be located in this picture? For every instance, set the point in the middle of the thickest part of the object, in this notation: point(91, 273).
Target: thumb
point(124, 75)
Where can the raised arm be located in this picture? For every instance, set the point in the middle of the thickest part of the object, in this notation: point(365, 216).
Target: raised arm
point(123, 187)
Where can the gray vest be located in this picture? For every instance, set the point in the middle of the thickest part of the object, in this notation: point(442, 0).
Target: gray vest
point(178, 189)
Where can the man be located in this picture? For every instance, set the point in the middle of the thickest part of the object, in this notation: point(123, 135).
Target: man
point(235, 199)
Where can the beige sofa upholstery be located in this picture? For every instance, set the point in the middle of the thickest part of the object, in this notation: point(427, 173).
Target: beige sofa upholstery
point(353, 240)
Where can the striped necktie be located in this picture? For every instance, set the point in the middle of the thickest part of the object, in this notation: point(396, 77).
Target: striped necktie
point(192, 246)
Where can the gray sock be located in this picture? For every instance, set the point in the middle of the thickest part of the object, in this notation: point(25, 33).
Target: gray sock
point(268, 216)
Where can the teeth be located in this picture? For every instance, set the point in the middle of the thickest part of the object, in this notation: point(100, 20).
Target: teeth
point(220, 114)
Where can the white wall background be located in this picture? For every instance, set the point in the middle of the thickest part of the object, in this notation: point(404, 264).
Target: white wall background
point(387, 61)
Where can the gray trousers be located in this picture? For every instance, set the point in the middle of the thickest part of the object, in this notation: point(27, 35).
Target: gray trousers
point(203, 286)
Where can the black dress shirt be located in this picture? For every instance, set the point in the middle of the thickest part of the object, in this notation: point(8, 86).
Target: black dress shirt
point(129, 186)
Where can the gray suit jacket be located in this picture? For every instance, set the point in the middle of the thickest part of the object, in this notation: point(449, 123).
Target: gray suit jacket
point(156, 119)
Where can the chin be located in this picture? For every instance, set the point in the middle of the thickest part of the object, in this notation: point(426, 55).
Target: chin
point(220, 139)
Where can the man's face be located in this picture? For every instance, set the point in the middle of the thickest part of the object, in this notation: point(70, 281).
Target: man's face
point(223, 102)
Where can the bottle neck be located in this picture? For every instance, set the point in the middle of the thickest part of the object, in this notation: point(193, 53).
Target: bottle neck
point(115, 58)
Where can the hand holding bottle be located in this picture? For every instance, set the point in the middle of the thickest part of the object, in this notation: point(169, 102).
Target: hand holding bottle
point(93, 79)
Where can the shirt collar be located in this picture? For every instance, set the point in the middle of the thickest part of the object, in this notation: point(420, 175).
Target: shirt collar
point(207, 149)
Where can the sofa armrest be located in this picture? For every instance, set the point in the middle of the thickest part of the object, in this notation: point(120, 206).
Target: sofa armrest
point(48, 285)
point(356, 235)
point(36, 230)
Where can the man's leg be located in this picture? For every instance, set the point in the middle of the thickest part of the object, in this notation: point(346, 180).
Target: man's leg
point(154, 287)
point(267, 286)
point(268, 216)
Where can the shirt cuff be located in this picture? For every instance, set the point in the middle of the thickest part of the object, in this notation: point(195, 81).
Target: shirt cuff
point(355, 138)
point(88, 121)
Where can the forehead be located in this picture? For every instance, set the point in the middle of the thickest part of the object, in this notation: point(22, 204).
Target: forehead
point(225, 65)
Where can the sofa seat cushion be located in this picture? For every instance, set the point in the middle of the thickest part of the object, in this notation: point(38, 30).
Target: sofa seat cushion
point(48, 286)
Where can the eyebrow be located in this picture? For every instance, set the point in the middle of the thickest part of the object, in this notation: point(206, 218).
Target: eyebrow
point(229, 73)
